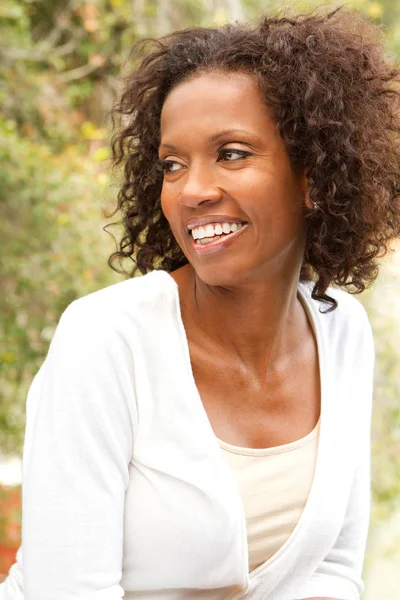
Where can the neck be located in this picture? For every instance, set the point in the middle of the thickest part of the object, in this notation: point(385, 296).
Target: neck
point(252, 325)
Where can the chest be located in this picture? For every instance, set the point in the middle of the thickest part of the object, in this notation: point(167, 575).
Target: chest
point(256, 412)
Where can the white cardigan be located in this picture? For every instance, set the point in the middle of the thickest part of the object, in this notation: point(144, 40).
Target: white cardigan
point(125, 487)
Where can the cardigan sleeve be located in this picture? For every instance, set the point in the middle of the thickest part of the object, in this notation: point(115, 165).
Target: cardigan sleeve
point(77, 449)
point(339, 575)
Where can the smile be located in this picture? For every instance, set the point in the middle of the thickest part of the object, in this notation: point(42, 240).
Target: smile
point(212, 240)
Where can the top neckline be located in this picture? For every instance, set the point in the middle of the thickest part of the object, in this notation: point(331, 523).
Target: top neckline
point(258, 452)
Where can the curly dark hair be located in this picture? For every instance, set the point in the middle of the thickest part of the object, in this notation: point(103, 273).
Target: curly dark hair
point(334, 94)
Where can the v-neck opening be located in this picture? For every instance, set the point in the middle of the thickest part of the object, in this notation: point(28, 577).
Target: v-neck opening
point(313, 320)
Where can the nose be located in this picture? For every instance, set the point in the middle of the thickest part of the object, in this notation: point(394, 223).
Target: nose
point(199, 186)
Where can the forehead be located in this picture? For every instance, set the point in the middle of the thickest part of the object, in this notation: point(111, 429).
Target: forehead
point(214, 100)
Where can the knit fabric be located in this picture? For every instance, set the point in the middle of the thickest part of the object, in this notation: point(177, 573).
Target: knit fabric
point(126, 492)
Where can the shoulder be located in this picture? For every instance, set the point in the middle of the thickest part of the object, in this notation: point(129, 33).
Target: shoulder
point(151, 289)
point(114, 310)
point(349, 309)
point(123, 299)
point(347, 327)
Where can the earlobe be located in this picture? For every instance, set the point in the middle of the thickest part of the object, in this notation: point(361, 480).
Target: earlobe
point(307, 193)
point(307, 200)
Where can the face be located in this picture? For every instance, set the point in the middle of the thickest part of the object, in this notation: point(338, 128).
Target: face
point(228, 181)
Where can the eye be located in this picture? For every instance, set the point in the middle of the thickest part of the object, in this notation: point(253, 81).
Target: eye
point(233, 151)
point(167, 166)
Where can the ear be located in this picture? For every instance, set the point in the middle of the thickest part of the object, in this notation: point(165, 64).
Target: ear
point(307, 200)
point(306, 189)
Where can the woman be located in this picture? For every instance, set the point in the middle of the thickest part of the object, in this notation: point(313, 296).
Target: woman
point(203, 431)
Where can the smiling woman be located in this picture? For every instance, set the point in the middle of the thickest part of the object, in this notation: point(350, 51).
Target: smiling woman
point(204, 431)
point(237, 175)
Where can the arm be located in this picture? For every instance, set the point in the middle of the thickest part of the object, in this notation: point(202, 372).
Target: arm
point(78, 445)
point(340, 571)
point(339, 575)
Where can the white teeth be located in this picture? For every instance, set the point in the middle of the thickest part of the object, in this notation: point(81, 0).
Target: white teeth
point(211, 230)
point(204, 241)
point(198, 233)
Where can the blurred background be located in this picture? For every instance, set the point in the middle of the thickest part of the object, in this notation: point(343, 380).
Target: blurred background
point(60, 67)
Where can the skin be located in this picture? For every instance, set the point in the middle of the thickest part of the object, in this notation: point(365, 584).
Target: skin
point(251, 345)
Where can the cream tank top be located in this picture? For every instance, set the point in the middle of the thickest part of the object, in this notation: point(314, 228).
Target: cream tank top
point(274, 484)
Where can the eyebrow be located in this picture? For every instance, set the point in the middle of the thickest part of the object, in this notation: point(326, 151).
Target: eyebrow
point(213, 138)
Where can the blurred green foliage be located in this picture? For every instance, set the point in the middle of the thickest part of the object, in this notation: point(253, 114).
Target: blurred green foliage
point(59, 67)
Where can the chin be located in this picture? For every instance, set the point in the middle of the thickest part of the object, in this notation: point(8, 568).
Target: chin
point(222, 275)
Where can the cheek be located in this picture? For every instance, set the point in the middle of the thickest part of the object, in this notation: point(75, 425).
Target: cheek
point(170, 208)
point(272, 193)
point(167, 204)
point(258, 195)
point(274, 205)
